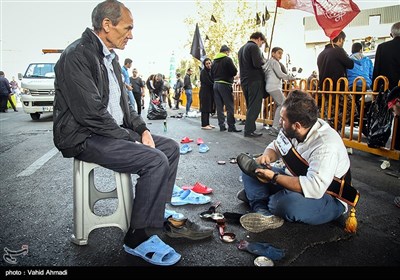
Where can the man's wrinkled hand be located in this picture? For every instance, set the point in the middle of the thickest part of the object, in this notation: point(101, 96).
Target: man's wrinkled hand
point(263, 175)
point(147, 139)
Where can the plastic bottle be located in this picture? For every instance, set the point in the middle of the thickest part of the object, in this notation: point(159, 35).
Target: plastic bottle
point(165, 125)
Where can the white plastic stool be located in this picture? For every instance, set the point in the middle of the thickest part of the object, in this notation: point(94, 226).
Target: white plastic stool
point(85, 196)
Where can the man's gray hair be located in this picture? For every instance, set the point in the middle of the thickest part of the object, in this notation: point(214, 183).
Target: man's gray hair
point(395, 31)
point(110, 9)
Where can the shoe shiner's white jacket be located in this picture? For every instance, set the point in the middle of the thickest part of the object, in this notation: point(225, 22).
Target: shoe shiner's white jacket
point(326, 155)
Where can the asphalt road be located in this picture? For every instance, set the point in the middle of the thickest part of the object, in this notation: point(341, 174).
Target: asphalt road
point(36, 209)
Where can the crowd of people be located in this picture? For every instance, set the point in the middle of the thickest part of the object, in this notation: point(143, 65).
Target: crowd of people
point(101, 116)
point(7, 91)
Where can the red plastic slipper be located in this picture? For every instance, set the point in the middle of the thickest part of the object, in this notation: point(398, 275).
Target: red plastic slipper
point(186, 140)
point(199, 141)
point(198, 188)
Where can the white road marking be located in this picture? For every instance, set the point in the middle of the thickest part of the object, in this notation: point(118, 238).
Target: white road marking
point(39, 163)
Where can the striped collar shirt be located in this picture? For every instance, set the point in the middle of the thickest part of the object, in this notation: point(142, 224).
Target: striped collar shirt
point(113, 106)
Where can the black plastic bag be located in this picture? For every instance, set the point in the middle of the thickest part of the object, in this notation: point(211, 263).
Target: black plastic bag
point(156, 111)
point(379, 121)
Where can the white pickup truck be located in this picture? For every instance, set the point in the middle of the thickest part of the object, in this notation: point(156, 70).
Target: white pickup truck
point(37, 84)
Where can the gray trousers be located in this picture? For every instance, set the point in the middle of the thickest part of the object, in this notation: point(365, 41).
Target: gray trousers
point(156, 168)
point(279, 98)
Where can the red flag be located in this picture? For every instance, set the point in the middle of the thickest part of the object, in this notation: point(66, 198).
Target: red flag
point(331, 15)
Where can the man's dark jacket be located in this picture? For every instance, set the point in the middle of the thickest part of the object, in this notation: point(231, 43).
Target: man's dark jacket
point(223, 70)
point(81, 98)
point(250, 62)
point(333, 63)
point(387, 61)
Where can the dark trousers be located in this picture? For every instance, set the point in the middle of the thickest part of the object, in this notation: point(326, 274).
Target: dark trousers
point(3, 103)
point(205, 119)
point(223, 95)
point(253, 94)
point(138, 100)
point(156, 169)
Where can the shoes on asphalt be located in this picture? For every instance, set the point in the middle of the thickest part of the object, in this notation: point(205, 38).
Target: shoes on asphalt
point(252, 134)
point(222, 128)
point(234, 129)
point(241, 195)
point(256, 222)
point(186, 229)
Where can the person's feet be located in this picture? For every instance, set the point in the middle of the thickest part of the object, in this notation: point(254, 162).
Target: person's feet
point(234, 129)
point(207, 127)
point(252, 134)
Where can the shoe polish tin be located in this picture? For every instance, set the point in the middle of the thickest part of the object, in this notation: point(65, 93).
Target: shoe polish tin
point(263, 261)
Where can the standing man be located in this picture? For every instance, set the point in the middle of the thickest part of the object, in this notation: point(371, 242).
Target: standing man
point(252, 80)
point(5, 91)
point(223, 71)
point(125, 74)
point(387, 63)
point(178, 88)
point(387, 58)
point(187, 86)
point(333, 62)
point(137, 89)
point(93, 122)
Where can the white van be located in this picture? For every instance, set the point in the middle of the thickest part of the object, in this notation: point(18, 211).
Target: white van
point(37, 84)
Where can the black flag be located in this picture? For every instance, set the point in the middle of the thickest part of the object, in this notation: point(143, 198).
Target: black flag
point(258, 20)
point(267, 15)
point(213, 19)
point(197, 50)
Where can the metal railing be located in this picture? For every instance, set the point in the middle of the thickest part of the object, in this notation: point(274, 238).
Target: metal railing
point(337, 107)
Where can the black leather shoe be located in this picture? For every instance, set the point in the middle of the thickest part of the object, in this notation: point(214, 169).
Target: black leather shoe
point(253, 134)
point(222, 128)
point(186, 229)
point(248, 165)
point(234, 129)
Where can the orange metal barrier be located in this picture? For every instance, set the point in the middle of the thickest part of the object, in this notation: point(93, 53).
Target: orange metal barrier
point(332, 106)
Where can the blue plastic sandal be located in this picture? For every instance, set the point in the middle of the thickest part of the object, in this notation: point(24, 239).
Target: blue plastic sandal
point(177, 216)
point(177, 191)
point(190, 197)
point(203, 148)
point(185, 148)
point(155, 251)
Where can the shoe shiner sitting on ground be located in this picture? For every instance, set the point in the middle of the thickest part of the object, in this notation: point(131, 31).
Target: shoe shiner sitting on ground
point(315, 157)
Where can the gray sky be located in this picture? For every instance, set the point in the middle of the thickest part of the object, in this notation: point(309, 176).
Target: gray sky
point(26, 27)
